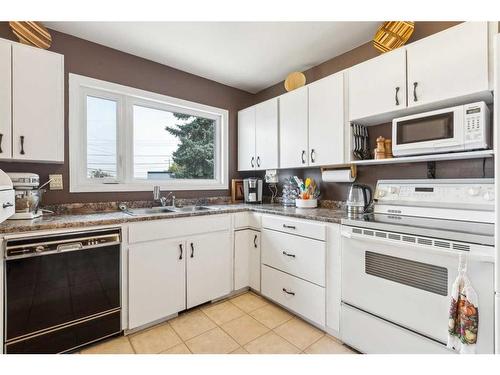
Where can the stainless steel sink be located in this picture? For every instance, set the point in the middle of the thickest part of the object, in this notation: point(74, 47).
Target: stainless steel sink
point(149, 211)
point(193, 208)
point(164, 210)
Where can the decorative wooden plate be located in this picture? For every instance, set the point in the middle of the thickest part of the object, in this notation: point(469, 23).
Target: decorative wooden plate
point(392, 35)
point(294, 81)
point(32, 33)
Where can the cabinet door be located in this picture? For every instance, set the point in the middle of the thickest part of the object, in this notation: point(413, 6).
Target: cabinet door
point(449, 64)
point(266, 134)
point(5, 100)
point(157, 287)
point(326, 121)
point(209, 267)
point(378, 85)
point(246, 139)
point(293, 129)
point(247, 259)
point(38, 104)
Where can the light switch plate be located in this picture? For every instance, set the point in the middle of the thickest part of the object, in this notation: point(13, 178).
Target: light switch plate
point(56, 183)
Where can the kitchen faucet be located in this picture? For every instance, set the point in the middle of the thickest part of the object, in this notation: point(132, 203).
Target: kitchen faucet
point(163, 200)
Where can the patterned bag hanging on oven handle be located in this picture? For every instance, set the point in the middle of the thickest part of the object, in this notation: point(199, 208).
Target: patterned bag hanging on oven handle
point(463, 320)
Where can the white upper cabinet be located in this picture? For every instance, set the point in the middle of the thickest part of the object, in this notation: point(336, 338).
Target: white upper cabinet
point(449, 64)
point(326, 121)
point(293, 134)
point(378, 85)
point(37, 104)
point(266, 134)
point(5, 100)
point(246, 139)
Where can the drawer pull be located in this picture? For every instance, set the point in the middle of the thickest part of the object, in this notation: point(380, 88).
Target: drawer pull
point(288, 254)
point(289, 226)
point(255, 241)
point(180, 248)
point(192, 250)
point(287, 292)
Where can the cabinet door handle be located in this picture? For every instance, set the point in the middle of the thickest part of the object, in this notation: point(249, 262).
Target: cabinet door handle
point(255, 241)
point(312, 155)
point(7, 205)
point(22, 145)
point(251, 162)
point(415, 98)
point(288, 254)
point(180, 248)
point(397, 99)
point(1, 136)
point(303, 156)
point(258, 161)
point(192, 250)
point(287, 292)
point(289, 226)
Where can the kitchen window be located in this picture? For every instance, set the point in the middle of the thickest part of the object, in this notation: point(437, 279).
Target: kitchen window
point(126, 139)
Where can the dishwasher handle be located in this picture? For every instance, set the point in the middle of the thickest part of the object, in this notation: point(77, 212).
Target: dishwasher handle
point(69, 247)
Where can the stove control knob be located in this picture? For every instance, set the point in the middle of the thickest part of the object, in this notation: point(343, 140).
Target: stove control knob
point(393, 190)
point(380, 193)
point(473, 191)
point(39, 249)
point(488, 196)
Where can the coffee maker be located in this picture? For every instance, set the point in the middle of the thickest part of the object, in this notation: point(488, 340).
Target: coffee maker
point(252, 189)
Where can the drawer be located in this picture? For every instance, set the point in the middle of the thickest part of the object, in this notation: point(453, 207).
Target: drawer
point(372, 335)
point(300, 256)
point(307, 300)
point(247, 220)
point(171, 228)
point(294, 226)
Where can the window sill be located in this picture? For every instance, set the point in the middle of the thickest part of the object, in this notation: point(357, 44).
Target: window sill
point(177, 185)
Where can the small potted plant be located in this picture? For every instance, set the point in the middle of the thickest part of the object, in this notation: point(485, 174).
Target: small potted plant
point(309, 194)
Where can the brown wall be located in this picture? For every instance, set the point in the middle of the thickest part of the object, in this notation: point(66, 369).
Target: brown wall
point(370, 174)
point(96, 61)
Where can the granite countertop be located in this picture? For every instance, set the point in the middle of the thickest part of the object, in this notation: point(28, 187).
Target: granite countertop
point(48, 222)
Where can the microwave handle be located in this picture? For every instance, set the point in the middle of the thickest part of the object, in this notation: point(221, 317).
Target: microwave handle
point(475, 257)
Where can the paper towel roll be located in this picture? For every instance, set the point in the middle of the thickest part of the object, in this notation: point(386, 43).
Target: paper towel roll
point(337, 175)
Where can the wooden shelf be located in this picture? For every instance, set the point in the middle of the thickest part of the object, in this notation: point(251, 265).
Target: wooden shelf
point(423, 158)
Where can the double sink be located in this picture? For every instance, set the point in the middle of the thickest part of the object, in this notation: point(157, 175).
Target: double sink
point(164, 210)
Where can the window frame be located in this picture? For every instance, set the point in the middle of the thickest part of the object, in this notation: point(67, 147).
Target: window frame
point(126, 97)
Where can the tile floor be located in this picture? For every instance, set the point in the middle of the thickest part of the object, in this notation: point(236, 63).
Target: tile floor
point(243, 324)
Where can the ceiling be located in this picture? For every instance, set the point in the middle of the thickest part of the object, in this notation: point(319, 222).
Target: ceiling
point(247, 55)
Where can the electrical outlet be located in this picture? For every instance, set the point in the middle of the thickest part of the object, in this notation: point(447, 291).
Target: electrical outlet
point(57, 182)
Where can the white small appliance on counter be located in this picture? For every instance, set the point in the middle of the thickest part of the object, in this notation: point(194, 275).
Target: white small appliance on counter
point(27, 195)
point(6, 197)
point(461, 128)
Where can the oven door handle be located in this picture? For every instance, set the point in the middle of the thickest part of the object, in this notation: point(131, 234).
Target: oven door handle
point(473, 257)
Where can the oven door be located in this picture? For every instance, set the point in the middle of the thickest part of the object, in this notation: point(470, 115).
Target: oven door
point(428, 133)
point(407, 280)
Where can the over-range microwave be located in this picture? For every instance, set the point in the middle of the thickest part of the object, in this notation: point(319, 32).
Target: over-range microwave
point(461, 128)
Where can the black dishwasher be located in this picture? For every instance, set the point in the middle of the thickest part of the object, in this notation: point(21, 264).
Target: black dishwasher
point(62, 291)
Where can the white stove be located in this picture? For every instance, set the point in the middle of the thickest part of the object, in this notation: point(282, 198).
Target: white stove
point(398, 264)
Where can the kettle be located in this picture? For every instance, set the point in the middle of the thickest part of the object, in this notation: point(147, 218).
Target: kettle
point(359, 199)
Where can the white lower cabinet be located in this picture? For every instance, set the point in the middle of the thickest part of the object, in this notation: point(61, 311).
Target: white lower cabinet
point(247, 259)
point(208, 270)
point(173, 265)
point(157, 280)
point(300, 296)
